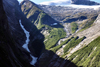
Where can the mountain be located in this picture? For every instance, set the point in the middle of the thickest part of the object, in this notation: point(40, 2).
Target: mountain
point(70, 13)
point(82, 33)
point(33, 12)
point(52, 33)
point(18, 36)
point(48, 36)
point(50, 28)
point(20, 41)
point(70, 2)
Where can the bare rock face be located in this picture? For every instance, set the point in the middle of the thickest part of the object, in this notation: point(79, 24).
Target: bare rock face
point(12, 10)
point(84, 2)
point(12, 36)
point(14, 14)
point(10, 52)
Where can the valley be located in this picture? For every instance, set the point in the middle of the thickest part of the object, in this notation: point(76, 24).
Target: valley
point(37, 35)
point(72, 31)
point(77, 22)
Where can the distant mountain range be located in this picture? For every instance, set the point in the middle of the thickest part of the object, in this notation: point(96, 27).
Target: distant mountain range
point(67, 2)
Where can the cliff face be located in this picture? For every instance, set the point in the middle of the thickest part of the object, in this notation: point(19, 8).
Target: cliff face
point(13, 37)
point(12, 11)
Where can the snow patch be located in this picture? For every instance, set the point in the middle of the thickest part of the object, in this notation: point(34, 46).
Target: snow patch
point(24, 3)
point(54, 24)
point(34, 60)
point(19, 3)
point(25, 46)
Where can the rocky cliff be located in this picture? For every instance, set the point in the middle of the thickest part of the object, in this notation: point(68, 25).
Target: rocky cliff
point(13, 37)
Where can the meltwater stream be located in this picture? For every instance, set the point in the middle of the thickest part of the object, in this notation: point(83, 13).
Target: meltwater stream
point(25, 46)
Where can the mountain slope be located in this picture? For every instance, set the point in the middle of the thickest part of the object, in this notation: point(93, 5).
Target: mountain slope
point(32, 12)
point(8, 50)
point(87, 56)
point(82, 29)
point(50, 28)
point(84, 52)
point(70, 13)
point(79, 51)
point(20, 41)
point(13, 37)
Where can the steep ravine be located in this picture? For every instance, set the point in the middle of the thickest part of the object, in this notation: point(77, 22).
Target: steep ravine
point(16, 33)
point(45, 24)
point(11, 54)
point(25, 46)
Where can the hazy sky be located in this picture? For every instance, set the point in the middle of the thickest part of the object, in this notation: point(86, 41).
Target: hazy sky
point(40, 1)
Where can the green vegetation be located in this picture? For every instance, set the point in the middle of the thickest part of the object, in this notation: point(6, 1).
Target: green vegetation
point(87, 25)
point(43, 22)
point(74, 27)
point(55, 35)
point(40, 20)
point(30, 9)
point(89, 56)
point(59, 46)
point(75, 41)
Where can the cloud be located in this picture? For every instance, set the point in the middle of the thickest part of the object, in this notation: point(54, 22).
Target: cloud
point(56, 2)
